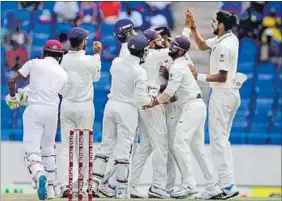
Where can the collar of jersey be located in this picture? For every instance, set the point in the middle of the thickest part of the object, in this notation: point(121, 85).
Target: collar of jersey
point(132, 59)
point(79, 52)
point(224, 36)
point(51, 59)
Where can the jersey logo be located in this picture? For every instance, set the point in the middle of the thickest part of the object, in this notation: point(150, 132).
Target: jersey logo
point(221, 58)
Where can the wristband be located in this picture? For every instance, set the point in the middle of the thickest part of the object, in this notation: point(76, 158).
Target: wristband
point(193, 28)
point(202, 77)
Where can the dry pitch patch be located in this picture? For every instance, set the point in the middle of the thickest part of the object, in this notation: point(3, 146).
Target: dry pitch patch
point(32, 197)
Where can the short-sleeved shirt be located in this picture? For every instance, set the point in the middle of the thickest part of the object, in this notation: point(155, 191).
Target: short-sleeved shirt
point(47, 80)
point(224, 56)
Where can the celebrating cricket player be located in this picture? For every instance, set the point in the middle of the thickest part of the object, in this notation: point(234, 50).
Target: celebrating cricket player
point(123, 31)
point(225, 97)
point(128, 93)
point(152, 124)
point(190, 125)
point(77, 108)
point(47, 80)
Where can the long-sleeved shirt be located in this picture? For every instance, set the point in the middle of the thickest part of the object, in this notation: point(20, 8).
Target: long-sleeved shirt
point(82, 70)
point(182, 82)
point(129, 82)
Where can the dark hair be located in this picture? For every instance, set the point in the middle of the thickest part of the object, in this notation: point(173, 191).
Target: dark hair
point(63, 37)
point(229, 20)
point(75, 42)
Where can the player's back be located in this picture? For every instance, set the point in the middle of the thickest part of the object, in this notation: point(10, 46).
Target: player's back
point(123, 72)
point(79, 68)
point(47, 79)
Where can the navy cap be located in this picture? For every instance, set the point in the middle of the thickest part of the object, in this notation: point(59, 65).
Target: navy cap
point(137, 42)
point(182, 42)
point(78, 33)
point(151, 34)
point(123, 24)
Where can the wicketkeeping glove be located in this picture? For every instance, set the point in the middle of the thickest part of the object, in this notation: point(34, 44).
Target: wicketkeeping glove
point(12, 102)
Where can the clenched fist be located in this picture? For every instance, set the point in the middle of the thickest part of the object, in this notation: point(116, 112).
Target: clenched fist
point(97, 47)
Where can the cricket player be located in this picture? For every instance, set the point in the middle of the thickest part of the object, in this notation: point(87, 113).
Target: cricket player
point(128, 93)
point(47, 80)
point(172, 117)
point(152, 124)
point(77, 108)
point(123, 31)
point(190, 125)
point(225, 97)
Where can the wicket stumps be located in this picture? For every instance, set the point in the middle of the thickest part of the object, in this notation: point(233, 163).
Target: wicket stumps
point(81, 132)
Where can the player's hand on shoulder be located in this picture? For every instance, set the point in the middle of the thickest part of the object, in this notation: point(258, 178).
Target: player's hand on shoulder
point(12, 102)
point(193, 70)
point(97, 47)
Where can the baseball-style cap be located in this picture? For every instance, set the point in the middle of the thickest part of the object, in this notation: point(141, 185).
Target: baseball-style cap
point(181, 41)
point(151, 34)
point(53, 46)
point(78, 33)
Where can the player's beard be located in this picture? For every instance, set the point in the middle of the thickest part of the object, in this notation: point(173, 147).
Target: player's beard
point(173, 55)
point(215, 30)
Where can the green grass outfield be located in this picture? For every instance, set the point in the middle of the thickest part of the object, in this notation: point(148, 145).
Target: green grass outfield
point(32, 197)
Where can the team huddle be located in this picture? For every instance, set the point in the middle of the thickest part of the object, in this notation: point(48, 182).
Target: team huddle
point(154, 93)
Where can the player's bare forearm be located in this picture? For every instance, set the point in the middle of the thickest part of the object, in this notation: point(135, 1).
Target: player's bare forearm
point(221, 77)
point(201, 43)
point(12, 83)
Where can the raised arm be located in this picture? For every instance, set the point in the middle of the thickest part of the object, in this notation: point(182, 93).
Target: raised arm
point(95, 61)
point(190, 23)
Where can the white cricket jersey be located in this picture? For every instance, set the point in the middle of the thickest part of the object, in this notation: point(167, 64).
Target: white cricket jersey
point(182, 82)
point(129, 82)
point(82, 70)
point(47, 79)
point(224, 56)
point(152, 64)
point(124, 50)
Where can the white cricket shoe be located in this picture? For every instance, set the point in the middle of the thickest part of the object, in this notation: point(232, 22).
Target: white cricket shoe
point(212, 193)
point(122, 193)
point(42, 187)
point(184, 192)
point(134, 193)
point(155, 192)
point(229, 192)
point(108, 190)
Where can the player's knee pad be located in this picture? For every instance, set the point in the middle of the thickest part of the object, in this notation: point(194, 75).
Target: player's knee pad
point(34, 164)
point(122, 172)
point(49, 162)
point(100, 164)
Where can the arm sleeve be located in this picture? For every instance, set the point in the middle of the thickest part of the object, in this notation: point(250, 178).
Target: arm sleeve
point(95, 65)
point(140, 94)
point(175, 78)
point(26, 68)
point(210, 42)
point(186, 32)
point(222, 58)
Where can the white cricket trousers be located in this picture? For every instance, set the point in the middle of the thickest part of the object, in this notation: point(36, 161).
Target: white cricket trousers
point(119, 130)
point(190, 133)
point(153, 139)
point(223, 106)
point(74, 115)
point(39, 133)
point(172, 115)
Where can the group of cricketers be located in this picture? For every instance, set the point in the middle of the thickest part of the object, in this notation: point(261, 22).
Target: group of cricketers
point(154, 93)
